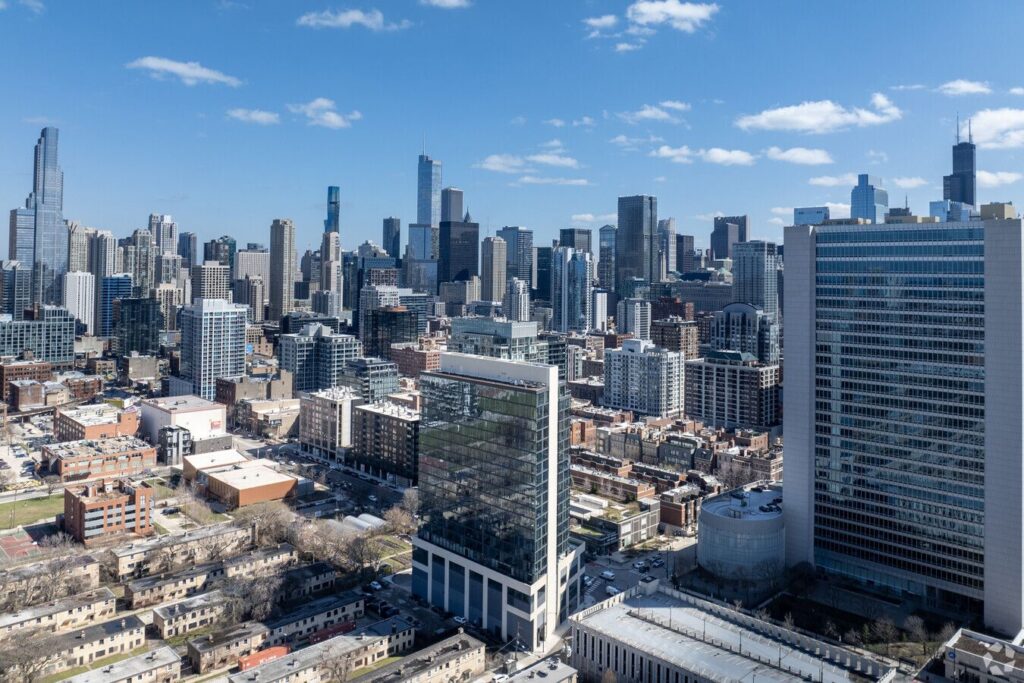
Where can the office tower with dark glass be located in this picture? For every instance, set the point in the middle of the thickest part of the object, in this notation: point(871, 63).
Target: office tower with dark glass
point(459, 243)
point(428, 191)
point(960, 184)
point(518, 252)
point(542, 273)
point(572, 286)
point(606, 256)
point(391, 236)
point(686, 255)
point(868, 200)
point(38, 235)
point(904, 403)
point(636, 247)
point(727, 231)
point(451, 204)
point(755, 279)
point(188, 248)
point(577, 238)
point(493, 544)
point(666, 247)
point(333, 221)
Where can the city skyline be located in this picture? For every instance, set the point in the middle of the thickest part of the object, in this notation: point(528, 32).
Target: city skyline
point(689, 144)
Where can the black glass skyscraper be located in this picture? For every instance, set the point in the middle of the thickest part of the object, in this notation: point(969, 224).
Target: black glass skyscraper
point(459, 250)
point(636, 251)
point(577, 238)
point(333, 222)
point(391, 237)
point(959, 186)
point(728, 231)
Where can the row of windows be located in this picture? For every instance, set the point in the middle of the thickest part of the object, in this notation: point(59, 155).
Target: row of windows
point(917, 562)
point(885, 266)
point(899, 235)
point(964, 546)
point(943, 250)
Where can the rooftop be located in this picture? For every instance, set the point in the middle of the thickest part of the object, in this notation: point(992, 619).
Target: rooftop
point(721, 644)
point(163, 541)
point(247, 629)
point(250, 477)
point(57, 606)
point(182, 404)
point(128, 669)
point(300, 660)
point(754, 501)
point(314, 607)
point(98, 414)
point(384, 626)
point(550, 669)
point(175, 609)
point(117, 444)
point(63, 642)
point(336, 393)
point(33, 569)
point(392, 409)
point(204, 461)
point(434, 656)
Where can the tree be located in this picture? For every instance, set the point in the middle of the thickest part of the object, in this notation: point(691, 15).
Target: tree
point(915, 628)
point(193, 506)
point(335, 666)
point(273, 521)
point(609, 677)
point(411, 501)
point(399, 520)
point(788, 621)
point(26, 657)
point(884, 631)
point(947, 631)
point(830, 630)
point(852, 637)
point(367, 551)
point(52, 482)
point(7, 478)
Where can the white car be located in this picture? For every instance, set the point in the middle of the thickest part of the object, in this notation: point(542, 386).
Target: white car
point(459, 620)
point(375, 585)
point(499, 678)
point(372, 498)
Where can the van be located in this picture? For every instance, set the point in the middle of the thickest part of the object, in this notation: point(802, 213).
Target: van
point(608, 575)
point(611, 590)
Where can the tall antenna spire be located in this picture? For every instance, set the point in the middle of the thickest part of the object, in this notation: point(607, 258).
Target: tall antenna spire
point(424, 150)
point(958, 128)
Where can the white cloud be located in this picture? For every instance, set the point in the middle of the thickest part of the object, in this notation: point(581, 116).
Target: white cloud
point(36, 6)
point(446, 4)
point(675, 104)
point(518, 120)
point(263, 118)
point(708, 216)
point(782, 210)
point(998, 128)
point(503, 163)
point(3, 4)
point(1017, 91)
point(552, 159)
point(592, 218)
point(910, 86)
point(190, 73)
point(998, 178)
point(878, 157)
point(586, 121)
point(538, 180)
point(727, 157)
point(822, 116)
point(372, 19)
point(834, 180)
point(557, 123)
point(776, 221)
point(627, 47)
point(603, 21)
point(554, 143)
point(909, 183)
point(964, 87)
point(660, 179)
point(682, 16)
point(679, 155)
point(799, 155)
point(632, 144)
point(321, 112)
point(838, 210)
point(647, 113)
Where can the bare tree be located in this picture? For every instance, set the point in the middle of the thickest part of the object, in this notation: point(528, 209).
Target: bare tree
point(52, 482)
point(915, 628)
point(885, 632)
point(273, 521)
point(7, 477)
point(399, 520)
point(193, 506)
point(367, 551)
point(335, 666)
point(411, 501)
point(947, 631)
point(59, 543)
point(25, 657)
point(788, 621)
point(853, 637)
point(830, 630)
point(609, 676)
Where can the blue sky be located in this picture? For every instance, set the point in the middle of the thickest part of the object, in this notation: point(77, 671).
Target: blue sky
point(229, 114)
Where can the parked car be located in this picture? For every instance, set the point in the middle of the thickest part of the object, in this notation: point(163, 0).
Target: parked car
point(611, 590)
point(608, 575)
point(459, 620)
point(375, 585)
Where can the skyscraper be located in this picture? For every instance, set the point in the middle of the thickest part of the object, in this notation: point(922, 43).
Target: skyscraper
point(868, 200)
point(644, 378)
point(102, 264)
point(282, 267)
point(572, 285)
point(428, 191)
point(755, 275)
point(137, 325)
point(577, 238)
point(165, 233)
point(38, 235)
point(493, 545)
point(188, 249)
point(686, 255)
point(908, 404)
point(391, 237)
point(221, 249)
point(516, 304)
point(459, 250)
point(666, 247)
point(316, 356)
point(451, 204)
point(333, 221)
point(493, 256)
point(15, 288)
point(518, 252)
point(727, 231)
point(959, 185)
point(112, 288)
point(252, 262)
point(80, 297)
point(212, 346)
point(542, 273)
point(211, 280)
point(636, 248)
point(78, 246)
point(606, 257)
point(633, 316)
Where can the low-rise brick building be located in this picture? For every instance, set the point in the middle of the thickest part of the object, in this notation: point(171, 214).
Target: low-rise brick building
point(99, 421)
point(223, 648)
point(120, 456)
point(142, 558)
point(189, 614)
point(107, 507)
point(64, 614)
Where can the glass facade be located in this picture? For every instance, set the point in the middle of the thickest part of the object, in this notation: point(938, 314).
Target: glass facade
point(428, 191)
point(636, 246)
point(868, 200)
point(484, 473)
point(899, 412)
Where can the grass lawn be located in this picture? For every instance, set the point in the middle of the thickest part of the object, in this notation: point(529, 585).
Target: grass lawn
point(98, 664)
point(185, 637)
point(376, 665)
point(30, 510)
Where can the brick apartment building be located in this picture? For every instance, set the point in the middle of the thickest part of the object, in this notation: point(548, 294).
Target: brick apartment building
point(120, 456)
point(107, 507)
point(100, 421)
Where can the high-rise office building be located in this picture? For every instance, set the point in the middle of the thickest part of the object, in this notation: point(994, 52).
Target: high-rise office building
point(606, 257)
point(459, 250)
point(139, 259)
point(960, 185)
point(516, 304)
point(755, 268)
point(428, 191)
point(493, 264)
point(211, 280)
point(333, 221)
point(727, 231)
point(577, 238)
point(316, 356)
point(600, 309)
point(633, 316)
point(542, 273)
point(38, 235)
point(451, 204)
point(494, 548)
point(137, 325)
point(518, 252)
point(222, 249)
point(47, 331)
point(112, 288)
point(372, 297)
point(732, 390)
point(372, 378)
point(747, 329)
point(391, 236)
point(212, 346)
point(686, 255)
point(386, 326)
point(636, 247)
point(423, 242)
point(168, 267)
point(78, 246)
point(282, 267)
point(252, 262)
point(868, 200)
point(572, 285)
point(811, 215)
point(643, 378)
point(188, 249)
point(15, 288)
point(102, 264)
point(80, 297)
point(250, 292)
point(908, 401)
point(666, 247)
point(171, 298)
point(165, 233)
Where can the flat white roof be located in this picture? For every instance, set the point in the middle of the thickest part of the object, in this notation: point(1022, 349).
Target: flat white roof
point(204, 461)
point(128, 669)
point(182, 403)
point(250, 477)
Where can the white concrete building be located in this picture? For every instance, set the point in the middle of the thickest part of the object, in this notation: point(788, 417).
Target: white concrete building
point(644, 378)
point(80, 297)
point(202, 418)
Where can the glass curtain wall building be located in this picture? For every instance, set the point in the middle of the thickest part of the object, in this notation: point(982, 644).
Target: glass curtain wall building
point(904, 411)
